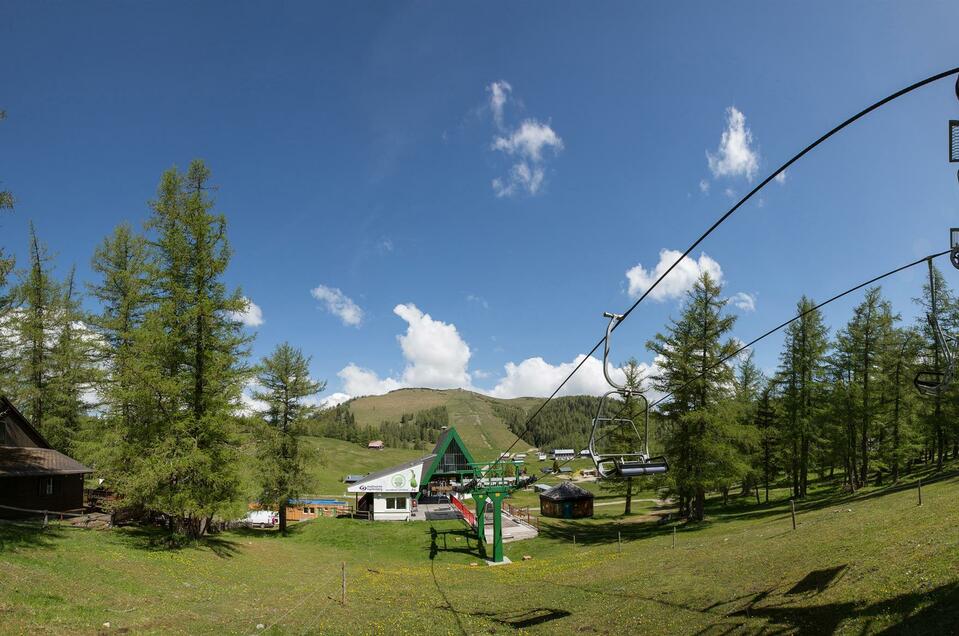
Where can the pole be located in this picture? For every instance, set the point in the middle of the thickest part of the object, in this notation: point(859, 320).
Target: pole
point(619, 541)
point(920, 491)
point(343, 595)
point(792, 503)
point(674, 537)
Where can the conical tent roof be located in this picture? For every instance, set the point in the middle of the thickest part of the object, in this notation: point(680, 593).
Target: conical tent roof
point(567, 491)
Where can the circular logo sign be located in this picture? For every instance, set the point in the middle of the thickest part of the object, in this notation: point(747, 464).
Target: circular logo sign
point(398, 481)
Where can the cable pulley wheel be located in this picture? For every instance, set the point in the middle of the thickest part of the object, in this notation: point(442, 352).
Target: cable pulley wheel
point(954, 257)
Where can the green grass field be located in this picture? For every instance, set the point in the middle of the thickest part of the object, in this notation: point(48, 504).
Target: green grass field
point(875, 562)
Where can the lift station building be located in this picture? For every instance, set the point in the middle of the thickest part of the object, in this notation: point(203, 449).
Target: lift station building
point(389, 494)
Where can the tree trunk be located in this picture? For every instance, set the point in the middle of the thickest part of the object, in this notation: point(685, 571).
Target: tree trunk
point(282, 519)
point(629, 496)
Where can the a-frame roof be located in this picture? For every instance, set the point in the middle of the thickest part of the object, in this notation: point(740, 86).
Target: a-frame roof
point(11, 414)
point(446, 439)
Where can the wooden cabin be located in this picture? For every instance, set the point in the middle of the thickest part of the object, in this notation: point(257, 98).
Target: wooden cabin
point(566, 501)
point(34, 476)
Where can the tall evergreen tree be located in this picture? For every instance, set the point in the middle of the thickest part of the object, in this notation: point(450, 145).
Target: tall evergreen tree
point(701, 429)
point(192, 359)
point(284, 381)
point(802, 365)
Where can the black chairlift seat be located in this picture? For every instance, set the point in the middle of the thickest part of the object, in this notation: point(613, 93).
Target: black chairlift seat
point(933, 383)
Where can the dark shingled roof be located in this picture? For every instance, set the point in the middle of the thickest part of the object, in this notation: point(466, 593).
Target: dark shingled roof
point(18, 461)
point(566, 491)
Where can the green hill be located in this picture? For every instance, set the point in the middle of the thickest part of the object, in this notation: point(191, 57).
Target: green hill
point(484, 422)
point(483, 430)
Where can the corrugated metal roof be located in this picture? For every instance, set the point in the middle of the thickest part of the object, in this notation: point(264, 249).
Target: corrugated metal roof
point(19, 461)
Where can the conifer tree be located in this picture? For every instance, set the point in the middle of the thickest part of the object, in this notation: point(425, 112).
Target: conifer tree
point(701, 428)
point(801, 372)
point(284, 381)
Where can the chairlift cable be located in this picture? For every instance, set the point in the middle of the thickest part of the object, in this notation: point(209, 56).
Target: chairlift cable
point(799, 316)
point(719, 221)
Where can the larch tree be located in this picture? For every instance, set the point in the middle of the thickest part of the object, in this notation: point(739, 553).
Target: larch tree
point(283, 386)
point(702, 426)
point(802, 367)
point(193, 358)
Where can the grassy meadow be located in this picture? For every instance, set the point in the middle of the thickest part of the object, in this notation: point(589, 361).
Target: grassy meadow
point(873, 562)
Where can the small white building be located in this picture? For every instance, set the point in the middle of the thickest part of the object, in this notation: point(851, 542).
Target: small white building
point(387, 493)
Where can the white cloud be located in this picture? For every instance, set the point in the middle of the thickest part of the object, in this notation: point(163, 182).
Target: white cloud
point(534, 377)
point(742, 300)
point(729, 192)
point(498, 94)
point(359, 381)
point(436, 357)
point(529, 141)
point(338, 304)
point(781, 177)
point(333, 399)
point(528, 144)
point(704, 186)
point(251, 316)
point(680, 280)
point(735, 156)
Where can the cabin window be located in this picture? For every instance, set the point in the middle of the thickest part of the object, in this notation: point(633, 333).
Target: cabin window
point(396, 503)
point(46, 485)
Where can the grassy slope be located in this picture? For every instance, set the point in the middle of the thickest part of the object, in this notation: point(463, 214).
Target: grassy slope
point(856, 564)
point(472, 414)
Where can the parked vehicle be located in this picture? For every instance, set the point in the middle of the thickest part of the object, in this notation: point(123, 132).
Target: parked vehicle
point(262, 518)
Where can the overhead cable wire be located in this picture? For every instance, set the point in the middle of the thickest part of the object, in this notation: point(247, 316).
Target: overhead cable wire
point(794, 319)
point(717, 223)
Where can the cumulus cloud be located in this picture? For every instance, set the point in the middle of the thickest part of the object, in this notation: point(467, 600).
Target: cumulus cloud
point(436, 357)
point(333, 399)
point(251, 316)
point(736, 155)
point(498, 94)
point(742, 300)
point(534, 377)
point(678, 282)
point(338, 304)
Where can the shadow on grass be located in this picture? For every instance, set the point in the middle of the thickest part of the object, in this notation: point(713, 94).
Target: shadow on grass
point(15, 535)
point(923, 612)
point(438, 537)
point(161, 540)
point(523, 619)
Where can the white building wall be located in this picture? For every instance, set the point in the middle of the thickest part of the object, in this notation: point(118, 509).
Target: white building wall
point(382, 513)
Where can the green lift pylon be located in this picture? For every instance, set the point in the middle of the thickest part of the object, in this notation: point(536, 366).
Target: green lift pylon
point(491, 484)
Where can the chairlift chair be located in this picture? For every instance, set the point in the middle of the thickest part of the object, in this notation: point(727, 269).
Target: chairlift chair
point(934, 382)
point(634, 463)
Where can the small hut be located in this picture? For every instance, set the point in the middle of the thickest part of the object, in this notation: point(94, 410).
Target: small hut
point(566, 501)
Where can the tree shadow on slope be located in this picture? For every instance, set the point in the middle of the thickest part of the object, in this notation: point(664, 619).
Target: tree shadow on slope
point(16, 535)
point(923, 612)
point(152, 539)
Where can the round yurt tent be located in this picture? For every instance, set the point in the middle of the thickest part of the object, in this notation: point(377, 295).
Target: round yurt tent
point(566, 501)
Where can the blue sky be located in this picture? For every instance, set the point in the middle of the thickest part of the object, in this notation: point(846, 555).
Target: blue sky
point(497, 167)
